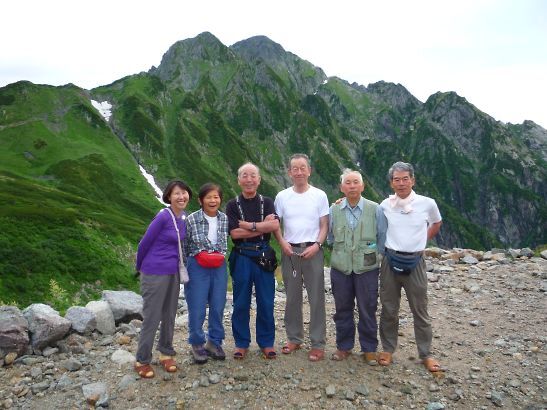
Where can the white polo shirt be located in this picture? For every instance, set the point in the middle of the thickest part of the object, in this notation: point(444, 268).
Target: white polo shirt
point(407, 232)
point(300, 213)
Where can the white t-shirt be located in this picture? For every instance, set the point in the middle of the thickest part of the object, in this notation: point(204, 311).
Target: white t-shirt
point(300, 213)
point(213, 226)
point(408, 232)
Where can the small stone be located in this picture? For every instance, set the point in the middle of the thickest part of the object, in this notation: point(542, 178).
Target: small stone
point(474, 323)
point(71, 365)
point(38, 387)
point(534, 349)
point(204, 381)
point(433, 387)
point(362, 390)
point(126, 381)
point(49, 351)
point(122, 357)
point(10, 358)
point(330, 390)
point(349, 395)
point(214, 378)
point(496, 398)
point(123, 340)
point(435, 405)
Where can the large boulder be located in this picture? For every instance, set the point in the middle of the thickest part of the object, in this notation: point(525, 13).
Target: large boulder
point(45, 325)
point(125, 305)
point(13, 331)
point(103, 315)
point(82, 319)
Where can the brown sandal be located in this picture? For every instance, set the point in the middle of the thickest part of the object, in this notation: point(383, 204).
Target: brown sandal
point(340, 355)
point(385, 358)
point(240, 353)
point(268, 353)
point(316, 355)
point(290, 348)
point(431, 364)
point(145, 371)
point(169, 365)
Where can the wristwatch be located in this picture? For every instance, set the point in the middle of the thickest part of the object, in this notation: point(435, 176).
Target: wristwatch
point(254, 227)
point(319, 244)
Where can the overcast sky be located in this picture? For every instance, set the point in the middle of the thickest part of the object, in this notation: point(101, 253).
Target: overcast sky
point(493, 53)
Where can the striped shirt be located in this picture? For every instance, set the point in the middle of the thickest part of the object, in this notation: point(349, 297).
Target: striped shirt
point(197, 231)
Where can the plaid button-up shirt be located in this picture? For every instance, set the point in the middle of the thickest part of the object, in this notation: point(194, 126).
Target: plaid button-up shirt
point(197, 229)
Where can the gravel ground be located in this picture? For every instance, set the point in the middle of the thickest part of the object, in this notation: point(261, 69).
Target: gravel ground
point(489, 335)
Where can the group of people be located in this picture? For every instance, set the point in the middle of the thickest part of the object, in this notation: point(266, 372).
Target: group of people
point(377, 249)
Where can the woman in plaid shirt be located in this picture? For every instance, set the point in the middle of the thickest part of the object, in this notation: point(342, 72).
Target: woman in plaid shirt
point(206, 230)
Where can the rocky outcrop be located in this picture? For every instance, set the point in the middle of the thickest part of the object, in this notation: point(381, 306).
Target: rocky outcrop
point(82, 320)
point(45, 325)
point(13, 331)
point(125, 305)
point(103, 315)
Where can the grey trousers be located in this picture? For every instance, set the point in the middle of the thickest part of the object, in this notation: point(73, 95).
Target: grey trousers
point(415, 286)
point(160, 297)
point(310, 273)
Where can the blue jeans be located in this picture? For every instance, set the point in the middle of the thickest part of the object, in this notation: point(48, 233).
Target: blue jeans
point(245, 273)
point(347, 289)
point(207, 286)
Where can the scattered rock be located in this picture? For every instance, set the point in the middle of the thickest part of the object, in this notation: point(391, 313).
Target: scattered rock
point(103, 316)
point(13, 331)
point(125, 305)
point(45, 325)
point(122, 357)
point(82, 320)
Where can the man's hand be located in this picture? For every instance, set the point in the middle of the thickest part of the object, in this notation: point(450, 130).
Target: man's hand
point(310, 251)
point(286, 248)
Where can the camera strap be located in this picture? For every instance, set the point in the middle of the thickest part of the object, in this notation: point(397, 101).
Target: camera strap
point(261, 212)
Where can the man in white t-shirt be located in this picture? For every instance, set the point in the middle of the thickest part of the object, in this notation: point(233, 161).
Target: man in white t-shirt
point(406, 221)
point(304, 212)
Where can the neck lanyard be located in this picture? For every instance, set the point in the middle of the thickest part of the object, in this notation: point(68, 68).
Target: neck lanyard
point(261, 212)
point(353, 225)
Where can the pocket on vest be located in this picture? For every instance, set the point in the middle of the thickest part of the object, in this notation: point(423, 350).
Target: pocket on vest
point(369, 258)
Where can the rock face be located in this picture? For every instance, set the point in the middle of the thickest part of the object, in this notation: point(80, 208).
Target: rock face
point(45, 325)
point(125, 305)
point(13, 331)
point(82, 319)
point(103, 316)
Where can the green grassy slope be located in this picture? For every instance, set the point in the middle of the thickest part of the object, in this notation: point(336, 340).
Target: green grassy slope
point(74, 204)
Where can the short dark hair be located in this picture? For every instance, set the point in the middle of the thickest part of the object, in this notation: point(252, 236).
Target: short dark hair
point(401, 167)
point(208, 187)
point(298, 156)
point(169, 188)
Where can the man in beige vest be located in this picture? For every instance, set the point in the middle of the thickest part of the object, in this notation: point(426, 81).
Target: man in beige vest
point(354, 268)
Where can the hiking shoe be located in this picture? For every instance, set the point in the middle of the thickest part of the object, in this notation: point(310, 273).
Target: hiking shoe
point(215, 352)
point(199, 354)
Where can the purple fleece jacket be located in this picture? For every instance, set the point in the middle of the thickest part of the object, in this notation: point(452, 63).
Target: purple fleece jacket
point(158, 252)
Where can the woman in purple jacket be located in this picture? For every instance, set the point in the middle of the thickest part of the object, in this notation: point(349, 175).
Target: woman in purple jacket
point(158, 264)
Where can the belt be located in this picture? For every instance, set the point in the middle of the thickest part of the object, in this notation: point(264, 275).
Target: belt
point(405, 253)
point(250, 247)
point(302, 244)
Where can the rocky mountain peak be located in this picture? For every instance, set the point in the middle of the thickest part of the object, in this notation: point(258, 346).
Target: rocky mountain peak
point(259, 47)
point(395, 94)
point(289, 67)
point(179, 63)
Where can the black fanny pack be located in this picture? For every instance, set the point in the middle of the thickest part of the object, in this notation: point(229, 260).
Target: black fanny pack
point(402, 264)
point(266, 259)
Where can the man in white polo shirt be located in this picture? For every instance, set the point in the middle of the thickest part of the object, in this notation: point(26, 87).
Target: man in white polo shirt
point(406, 221)
point(304, 212)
